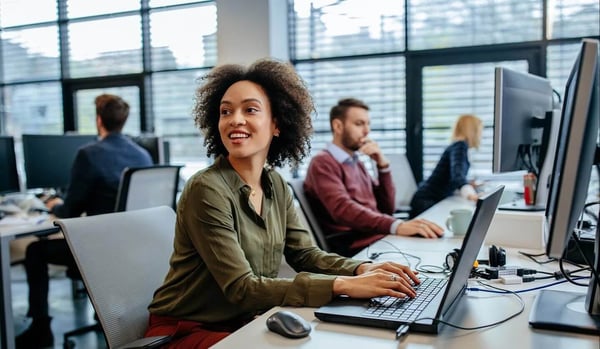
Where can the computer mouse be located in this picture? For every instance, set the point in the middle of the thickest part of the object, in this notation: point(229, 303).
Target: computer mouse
point(288, 324)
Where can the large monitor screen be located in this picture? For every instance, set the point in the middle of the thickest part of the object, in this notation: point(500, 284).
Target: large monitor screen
point(521, 101)
point(9, 177)
point(525, 129)
point(49, 158)
point(156, 146)
point(574, 158)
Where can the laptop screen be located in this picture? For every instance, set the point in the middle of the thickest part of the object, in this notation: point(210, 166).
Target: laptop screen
point(484, 212)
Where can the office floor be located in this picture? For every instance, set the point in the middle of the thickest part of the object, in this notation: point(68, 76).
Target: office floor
point(68, 312)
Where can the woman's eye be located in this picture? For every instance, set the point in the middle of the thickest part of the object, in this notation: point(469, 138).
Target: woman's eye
point(252, 110)
point(225, 112)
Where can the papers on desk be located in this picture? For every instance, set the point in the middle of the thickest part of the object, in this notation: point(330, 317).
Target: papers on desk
point(10, 208)
point(15, 220)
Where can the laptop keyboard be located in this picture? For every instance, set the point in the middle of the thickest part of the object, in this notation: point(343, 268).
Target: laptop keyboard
point(406, 309)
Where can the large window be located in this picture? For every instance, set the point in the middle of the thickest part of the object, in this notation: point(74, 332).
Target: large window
point(57, 55)
point(382, 88)
point(444, 24)
point(422, 63)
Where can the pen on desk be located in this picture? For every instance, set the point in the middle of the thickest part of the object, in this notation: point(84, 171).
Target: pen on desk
point(401, 331)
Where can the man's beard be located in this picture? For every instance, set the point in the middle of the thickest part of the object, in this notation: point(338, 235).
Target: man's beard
point(349, 143)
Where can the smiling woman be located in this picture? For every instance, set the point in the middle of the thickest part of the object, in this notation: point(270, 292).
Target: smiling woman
point(246, 125)
point(236, 219)
point(276, 90)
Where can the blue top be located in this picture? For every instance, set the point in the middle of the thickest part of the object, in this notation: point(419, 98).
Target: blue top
point(96, 174)
point(449, 174)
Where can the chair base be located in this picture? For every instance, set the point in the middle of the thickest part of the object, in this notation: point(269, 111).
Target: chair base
point(69, 344)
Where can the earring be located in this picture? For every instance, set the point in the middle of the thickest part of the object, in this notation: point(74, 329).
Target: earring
point(276, 134)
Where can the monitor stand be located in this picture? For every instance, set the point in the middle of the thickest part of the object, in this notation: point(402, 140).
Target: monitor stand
point(563, 311)
point(571, 311)
point(520, 206)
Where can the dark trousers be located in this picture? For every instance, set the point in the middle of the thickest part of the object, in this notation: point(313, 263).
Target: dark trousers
point(37, 257)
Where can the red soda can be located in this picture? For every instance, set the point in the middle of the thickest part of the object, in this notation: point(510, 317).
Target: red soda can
point(529, 180)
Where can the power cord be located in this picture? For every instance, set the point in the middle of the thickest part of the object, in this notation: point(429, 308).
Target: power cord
point(533, 257)
point(523, 290)
point(495, 323)
point(425, 268)
point(587, 261)
point(510, 274)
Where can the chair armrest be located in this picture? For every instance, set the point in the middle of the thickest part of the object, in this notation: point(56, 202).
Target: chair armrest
point(147, 342)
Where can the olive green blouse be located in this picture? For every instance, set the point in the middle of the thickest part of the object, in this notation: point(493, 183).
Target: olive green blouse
point(226, 257)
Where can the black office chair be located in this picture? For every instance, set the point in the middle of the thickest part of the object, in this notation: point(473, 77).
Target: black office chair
point(297, 186)
point(324, 241)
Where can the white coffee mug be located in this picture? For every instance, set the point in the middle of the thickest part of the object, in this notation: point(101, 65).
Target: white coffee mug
point(459, 220)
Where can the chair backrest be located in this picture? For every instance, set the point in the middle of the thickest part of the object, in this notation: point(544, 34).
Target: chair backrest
point(151, 186)
point(297, 185)
point(123, 258)
point(404, 180)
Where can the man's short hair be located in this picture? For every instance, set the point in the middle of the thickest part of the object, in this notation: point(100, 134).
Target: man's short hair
point(113, 111)
point(338, 111)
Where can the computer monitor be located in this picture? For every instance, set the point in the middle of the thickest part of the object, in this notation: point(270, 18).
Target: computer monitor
point(574, 158)
point(525, 128)
point(155, 145)
point(49, 158)
point(9, 176)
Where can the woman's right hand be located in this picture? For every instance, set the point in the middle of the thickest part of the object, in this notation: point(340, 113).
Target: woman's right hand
point(373, 284)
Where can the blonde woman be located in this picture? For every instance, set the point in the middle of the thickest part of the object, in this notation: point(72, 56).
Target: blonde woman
point(450, 174)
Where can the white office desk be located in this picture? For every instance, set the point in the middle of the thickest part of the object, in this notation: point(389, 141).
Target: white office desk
point(7, 234)
point(474, 309)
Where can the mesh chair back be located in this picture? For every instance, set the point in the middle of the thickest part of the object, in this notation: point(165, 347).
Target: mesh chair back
point(143, 187)
point(123, 258)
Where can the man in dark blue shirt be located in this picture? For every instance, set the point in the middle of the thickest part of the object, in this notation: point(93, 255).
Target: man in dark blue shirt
point(95, 177)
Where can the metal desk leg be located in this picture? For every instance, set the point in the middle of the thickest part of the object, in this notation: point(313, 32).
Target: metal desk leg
point(7, 329)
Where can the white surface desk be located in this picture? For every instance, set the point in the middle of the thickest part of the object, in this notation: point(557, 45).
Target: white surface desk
point(8, 233)
point(475, 309)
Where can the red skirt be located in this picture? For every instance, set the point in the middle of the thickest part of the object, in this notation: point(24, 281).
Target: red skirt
point(189, 334)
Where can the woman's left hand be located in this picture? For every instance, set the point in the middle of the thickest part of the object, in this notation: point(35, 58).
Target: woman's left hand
point(401, 270)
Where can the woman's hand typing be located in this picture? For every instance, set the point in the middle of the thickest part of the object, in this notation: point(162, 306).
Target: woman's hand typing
point(377, 279)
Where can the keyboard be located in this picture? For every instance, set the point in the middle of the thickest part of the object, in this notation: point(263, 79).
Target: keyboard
point(406, 309)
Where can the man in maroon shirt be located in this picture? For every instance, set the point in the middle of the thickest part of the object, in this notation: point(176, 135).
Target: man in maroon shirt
point(347, 200)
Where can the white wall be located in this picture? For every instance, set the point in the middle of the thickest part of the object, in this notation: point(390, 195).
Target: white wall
point(251, 29)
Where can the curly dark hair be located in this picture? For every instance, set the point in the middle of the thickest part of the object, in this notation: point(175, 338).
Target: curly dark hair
point(291, 106)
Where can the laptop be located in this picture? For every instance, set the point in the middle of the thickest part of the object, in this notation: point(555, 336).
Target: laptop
point(368, 312)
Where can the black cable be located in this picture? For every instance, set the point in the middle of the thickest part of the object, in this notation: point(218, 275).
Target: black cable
point(532, 257)
point(591, 203)
point(566, 274)
point(587, 261)
point(517, 313)
point(586, 209)
point(544, 277)
point(396, 250)
point(527, 289)
point(426, 268)
point(559, 97)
